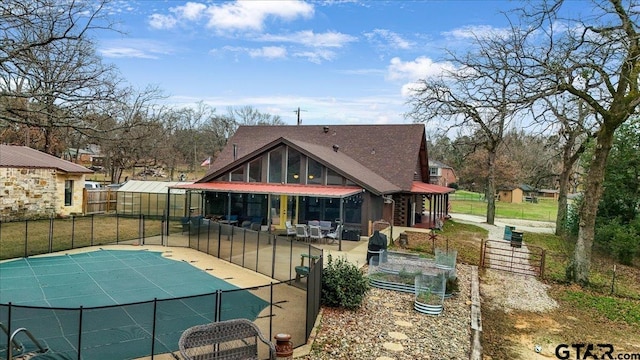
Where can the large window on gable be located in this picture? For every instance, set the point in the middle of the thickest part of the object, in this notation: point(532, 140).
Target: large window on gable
point(333, 178)
point(255, 171)
point(293, 166)
point(315, 172)
point(238, 174)
point(275, 165)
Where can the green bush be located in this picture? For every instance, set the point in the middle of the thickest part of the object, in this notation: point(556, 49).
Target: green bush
point(619, 240)
point(343, 284)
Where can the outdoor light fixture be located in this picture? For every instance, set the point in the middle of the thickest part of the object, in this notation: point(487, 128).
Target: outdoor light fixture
point(295, 176)
point(311, 177)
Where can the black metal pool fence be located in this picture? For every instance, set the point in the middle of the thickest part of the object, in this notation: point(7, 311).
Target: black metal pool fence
point(262, 252)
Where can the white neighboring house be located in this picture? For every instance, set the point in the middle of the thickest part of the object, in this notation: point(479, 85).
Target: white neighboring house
point(37, 185)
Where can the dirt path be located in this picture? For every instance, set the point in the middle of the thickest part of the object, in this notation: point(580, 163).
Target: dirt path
point(505, 292)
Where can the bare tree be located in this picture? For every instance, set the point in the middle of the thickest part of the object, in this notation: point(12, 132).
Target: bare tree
point(247, 115)
point(30, 24)
point(60, 82)
point(130, 133)
point(572, 124)
point(49, 86)
point(481, 95)
point(595, 59)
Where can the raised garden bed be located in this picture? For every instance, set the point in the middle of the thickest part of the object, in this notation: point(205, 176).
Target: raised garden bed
point(429, 290)
point(426, 278)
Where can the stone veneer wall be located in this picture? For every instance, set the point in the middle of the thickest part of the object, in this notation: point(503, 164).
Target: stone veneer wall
point(76, 200)
point(28, 193)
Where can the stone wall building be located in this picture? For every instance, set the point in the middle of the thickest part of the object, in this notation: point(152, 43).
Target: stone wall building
point(38, 185)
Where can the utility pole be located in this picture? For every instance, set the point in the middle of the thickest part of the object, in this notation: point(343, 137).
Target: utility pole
point(298, 113)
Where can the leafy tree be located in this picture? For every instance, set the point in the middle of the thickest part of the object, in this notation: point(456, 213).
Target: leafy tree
point(621, 195)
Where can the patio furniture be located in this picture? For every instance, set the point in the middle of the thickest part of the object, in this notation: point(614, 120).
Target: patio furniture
point(301, 232)
point(230, 339)
point(315, 234)
point(325, 226)
point(291, 230)
point(333, 235)
point(303, 270)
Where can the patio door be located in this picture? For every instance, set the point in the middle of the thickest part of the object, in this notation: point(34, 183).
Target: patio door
point(283, 209)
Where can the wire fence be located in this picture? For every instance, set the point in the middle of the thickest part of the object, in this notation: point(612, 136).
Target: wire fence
point(157, 323)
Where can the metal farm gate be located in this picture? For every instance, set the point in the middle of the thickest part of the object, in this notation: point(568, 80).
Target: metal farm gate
point(512, 257)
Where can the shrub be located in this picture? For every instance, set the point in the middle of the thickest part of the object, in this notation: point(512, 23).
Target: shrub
point(343, 284)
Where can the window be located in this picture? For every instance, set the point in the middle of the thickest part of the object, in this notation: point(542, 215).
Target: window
point(275, 165)
point(433, 171)
point(238, 174)
point(333, 178)
point(255, 171)
point(68, 192)
point(314, 172)
point(293, 167)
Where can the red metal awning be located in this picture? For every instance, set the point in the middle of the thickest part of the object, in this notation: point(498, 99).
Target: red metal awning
point(274, 189)
point(418, 187)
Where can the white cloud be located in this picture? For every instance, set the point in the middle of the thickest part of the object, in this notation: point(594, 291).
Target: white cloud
point(317, 56)
point(420, 68)
point(190, 11)
point(251, 15)
point(159, 21)
point(388, 39)
point(316, 110)
point(232, 16)
point(476, 31)
point(311, 39)
point(134, 48)
point(269, 52)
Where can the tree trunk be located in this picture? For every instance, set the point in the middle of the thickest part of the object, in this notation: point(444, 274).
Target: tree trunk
point(491, 187)
point(561, 218)
point(578, 269)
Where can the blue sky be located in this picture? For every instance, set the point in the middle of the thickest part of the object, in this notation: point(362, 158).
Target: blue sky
point(340, 62)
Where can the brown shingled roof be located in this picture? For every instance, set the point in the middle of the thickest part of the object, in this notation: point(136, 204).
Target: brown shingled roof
point(382, 156)
point(26, 157)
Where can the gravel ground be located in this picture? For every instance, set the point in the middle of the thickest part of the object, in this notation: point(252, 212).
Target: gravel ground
point(508, 291)
point(387, 327)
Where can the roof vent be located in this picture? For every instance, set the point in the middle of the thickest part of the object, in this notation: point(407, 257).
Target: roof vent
point(325, 129)
point(336, 147)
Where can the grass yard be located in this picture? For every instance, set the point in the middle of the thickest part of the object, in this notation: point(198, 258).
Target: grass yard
point(32, 237)
point(464, 202)
point(592, 314)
